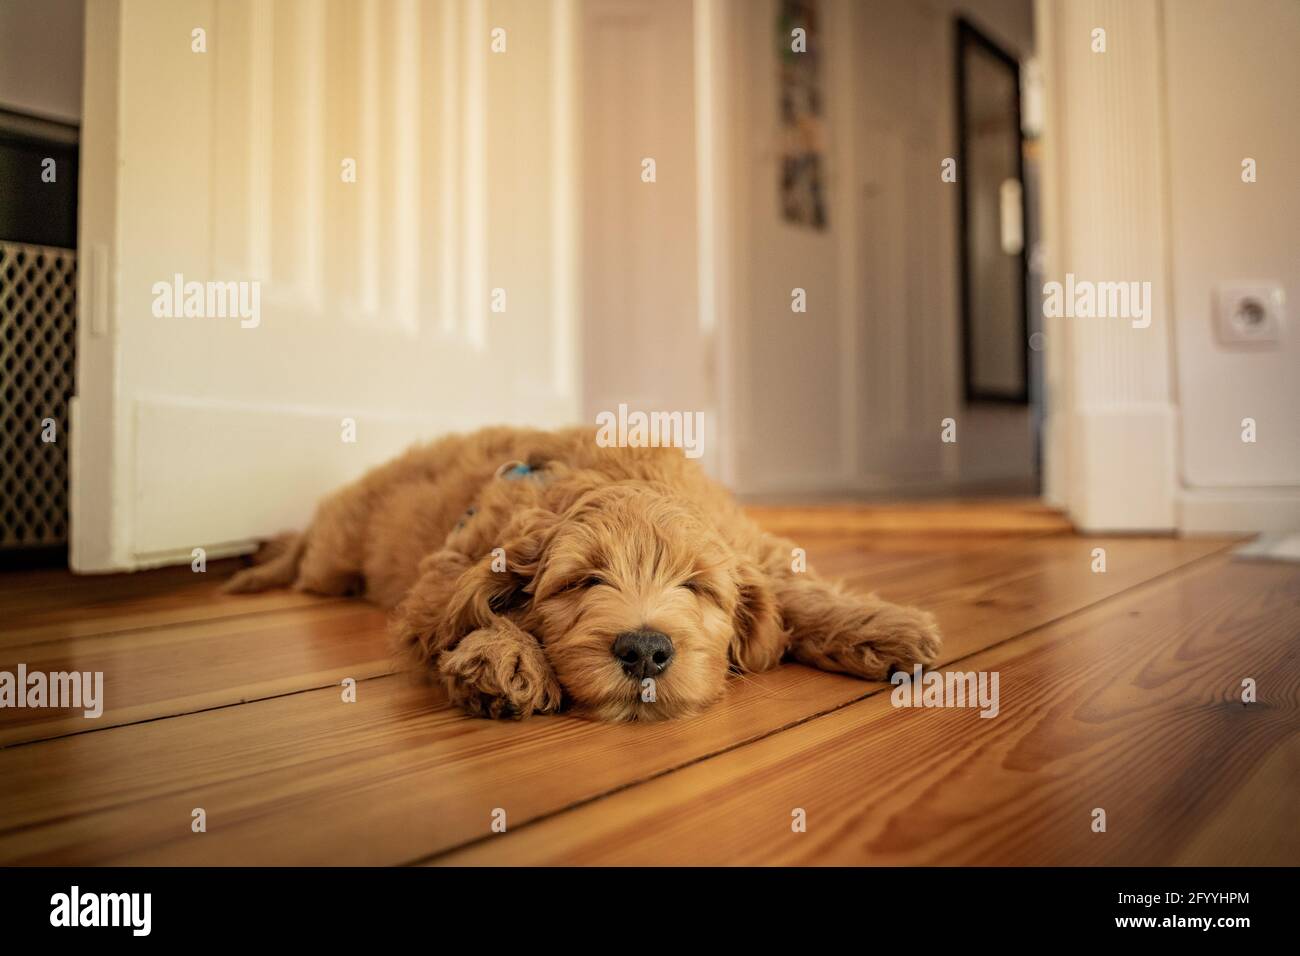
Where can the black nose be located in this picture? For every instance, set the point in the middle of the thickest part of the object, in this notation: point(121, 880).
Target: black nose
point(643, 653)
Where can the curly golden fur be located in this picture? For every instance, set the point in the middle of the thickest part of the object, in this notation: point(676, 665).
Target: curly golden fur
point(621, 582)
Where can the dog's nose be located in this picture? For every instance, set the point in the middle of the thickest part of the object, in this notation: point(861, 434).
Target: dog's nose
point(643, 653)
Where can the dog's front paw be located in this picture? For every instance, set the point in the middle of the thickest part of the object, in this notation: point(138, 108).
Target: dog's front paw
point(895, 638)
point(877, 639)
point(499, 672)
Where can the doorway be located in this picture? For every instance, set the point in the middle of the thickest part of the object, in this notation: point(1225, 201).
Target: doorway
point(994, 235)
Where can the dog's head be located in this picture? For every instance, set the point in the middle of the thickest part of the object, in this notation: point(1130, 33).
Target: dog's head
point(638, 602)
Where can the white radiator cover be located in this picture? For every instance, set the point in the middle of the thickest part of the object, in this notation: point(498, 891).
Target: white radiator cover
point(38, 294)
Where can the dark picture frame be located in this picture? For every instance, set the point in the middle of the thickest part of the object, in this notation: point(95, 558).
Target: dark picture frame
point(969, 38)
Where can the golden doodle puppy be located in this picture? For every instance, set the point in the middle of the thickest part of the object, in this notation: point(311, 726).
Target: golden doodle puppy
point(536, 570)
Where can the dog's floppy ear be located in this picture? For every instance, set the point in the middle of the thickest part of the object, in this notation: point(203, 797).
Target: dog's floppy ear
point(456, 595)
point(759, 638)
point(498, 582)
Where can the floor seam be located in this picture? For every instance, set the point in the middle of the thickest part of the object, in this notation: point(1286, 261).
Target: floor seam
point(324, 602)
point(189, 713)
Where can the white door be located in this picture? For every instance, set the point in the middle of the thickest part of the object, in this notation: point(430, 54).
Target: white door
point(390, 183)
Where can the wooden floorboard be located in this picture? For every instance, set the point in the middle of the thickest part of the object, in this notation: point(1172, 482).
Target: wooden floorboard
point(186, 604)
point(36, 593)
point(940, 515)
point(163, 671)
point(1133, 706)
point(945, 517)
point(397, 777)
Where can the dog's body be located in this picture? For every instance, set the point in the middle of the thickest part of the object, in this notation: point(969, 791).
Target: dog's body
point(533, 569)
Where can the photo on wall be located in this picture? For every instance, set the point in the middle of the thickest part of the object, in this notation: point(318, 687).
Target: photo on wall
point(802, 146)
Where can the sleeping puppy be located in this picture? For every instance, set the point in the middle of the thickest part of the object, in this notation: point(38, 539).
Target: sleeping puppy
point(537, 570)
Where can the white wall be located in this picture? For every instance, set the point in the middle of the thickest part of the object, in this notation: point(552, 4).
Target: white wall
point(1233, 80)
point(40, 57)
point(789, 405)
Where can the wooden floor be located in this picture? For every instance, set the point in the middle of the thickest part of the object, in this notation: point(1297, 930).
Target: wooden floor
point(1118, 690)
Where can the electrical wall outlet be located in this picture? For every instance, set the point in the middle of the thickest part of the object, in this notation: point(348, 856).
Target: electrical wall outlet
point(1249, 314)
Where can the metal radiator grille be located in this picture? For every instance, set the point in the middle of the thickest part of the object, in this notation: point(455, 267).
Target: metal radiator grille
point(38, 303)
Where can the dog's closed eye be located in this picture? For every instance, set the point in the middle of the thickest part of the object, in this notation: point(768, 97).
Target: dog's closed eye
point(582, 584)
point(702, 587)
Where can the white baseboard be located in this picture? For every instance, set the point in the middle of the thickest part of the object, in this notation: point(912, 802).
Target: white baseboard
point(1122, 469)
point(1238, 510)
